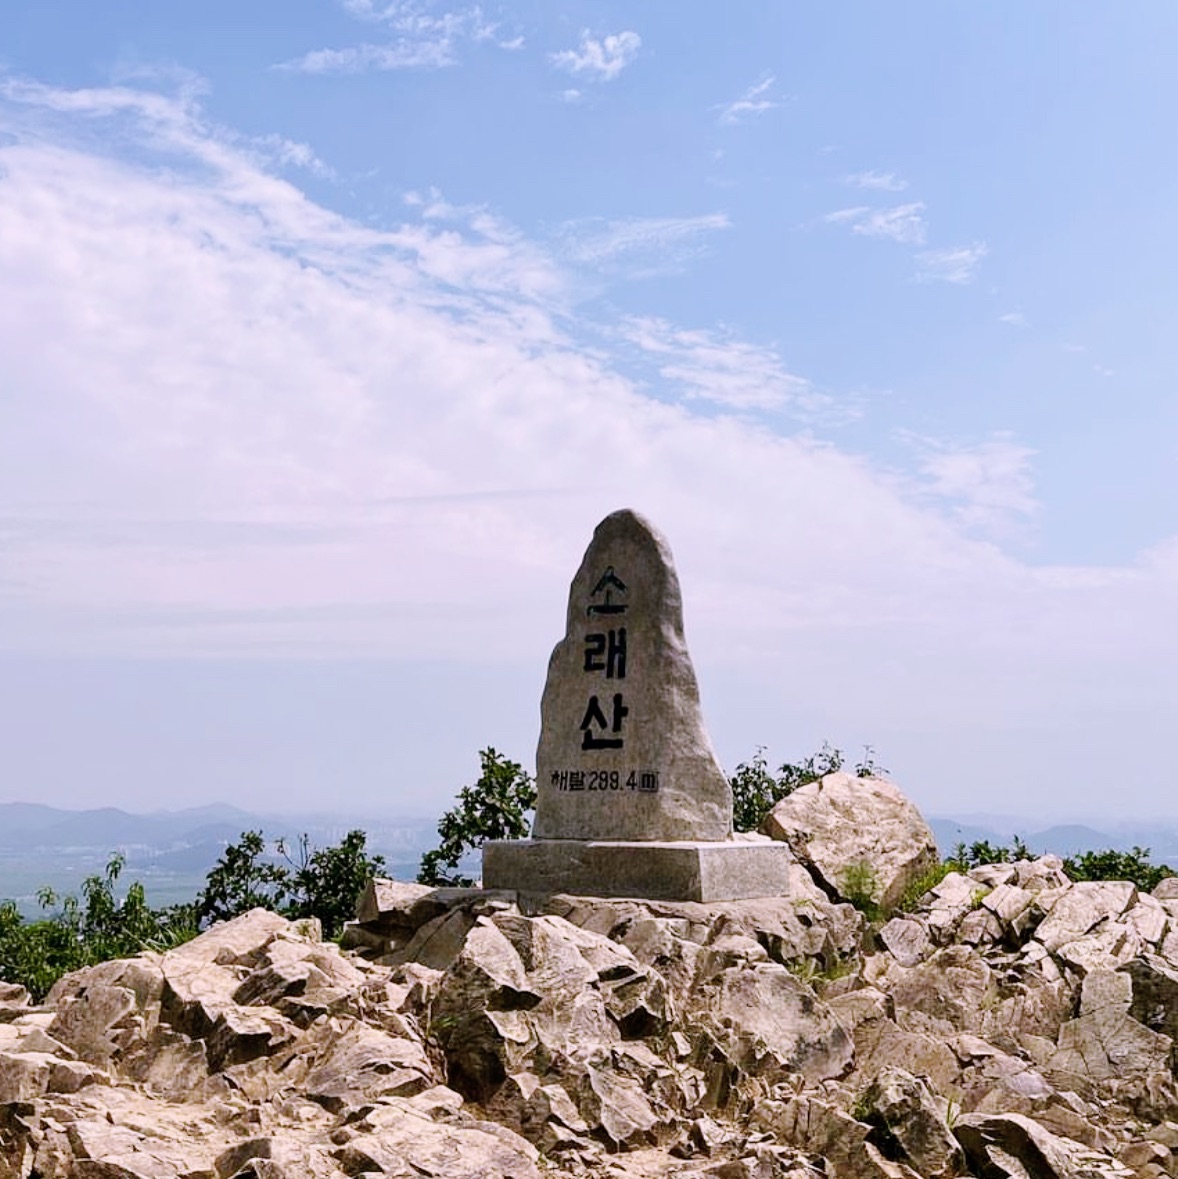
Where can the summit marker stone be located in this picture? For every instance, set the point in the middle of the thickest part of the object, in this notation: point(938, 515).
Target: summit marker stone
point(631, 801)
point(623, 752)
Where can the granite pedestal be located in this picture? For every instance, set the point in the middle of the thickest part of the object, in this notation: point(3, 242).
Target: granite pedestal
point(724, 870)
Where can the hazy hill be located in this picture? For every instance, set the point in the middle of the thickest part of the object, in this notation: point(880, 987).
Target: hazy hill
point(170, 851)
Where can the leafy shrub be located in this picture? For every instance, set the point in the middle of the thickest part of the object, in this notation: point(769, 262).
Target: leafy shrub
point(1132, 865)
point(923, 883)
point(327, 882)
point(322, 882)
point(84, 932)
point(756, 791)
point(242, 879)
point(860, 885)
point(497, 806)
point(1109, 864)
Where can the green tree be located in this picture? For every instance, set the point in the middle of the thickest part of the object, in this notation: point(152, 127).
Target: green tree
point(495, 807)
point(1132, 865)
point(83, 932)
point(327, 882)
point(242, 879)
point(755, 791)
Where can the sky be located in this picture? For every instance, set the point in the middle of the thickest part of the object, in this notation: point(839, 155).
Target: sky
point(329, 329)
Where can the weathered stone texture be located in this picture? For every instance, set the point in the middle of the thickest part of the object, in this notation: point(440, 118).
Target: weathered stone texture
point(623, 753)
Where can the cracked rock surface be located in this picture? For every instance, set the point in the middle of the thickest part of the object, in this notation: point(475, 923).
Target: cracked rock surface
point(1013, 1025)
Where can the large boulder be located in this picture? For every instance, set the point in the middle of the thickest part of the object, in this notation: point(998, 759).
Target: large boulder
point(860, 837)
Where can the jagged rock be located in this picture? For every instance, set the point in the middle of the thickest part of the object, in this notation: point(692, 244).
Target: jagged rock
point(1014, 1146)
point(947, 904)
point(1082, 908)
point(13, 996)
point(1014, 907)
point(906, 940)
point(1155, 993)
point(767, 1022)
point(1105, 1041)
point(904, 1109)
point(399, 1141)
point(855, 834)
point(624, 1039)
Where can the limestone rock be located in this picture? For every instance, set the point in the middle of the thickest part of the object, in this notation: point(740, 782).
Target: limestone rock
point(623, 753)
point(908, 1113)
point(855, 834)
point(1082, 908)
point(1014, 1146)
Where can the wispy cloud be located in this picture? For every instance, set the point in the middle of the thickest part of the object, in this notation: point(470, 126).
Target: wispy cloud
point(721, 369)
point(991, 484)
point(425, 39)
point(903, 223)
point(356, 59)
point(257, 399)
point(880, 181)
point(753, 102)
point(956, 264)
point(1014, 318)
point(601, 59)
point(641, 245)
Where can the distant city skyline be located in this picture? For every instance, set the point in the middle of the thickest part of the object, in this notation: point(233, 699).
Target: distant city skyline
point(329, 329)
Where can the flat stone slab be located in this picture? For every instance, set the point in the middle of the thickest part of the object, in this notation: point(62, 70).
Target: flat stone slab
point(728, 870)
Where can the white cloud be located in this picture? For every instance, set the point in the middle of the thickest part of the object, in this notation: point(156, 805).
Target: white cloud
point(881, 181)
point(903, 223)
point(1014, 318)
point(720, 369)
point(990, 484)
point(356, 59)
point(841, 215)
point(238, 424)
point(955, 264)
point(571, 95)
point(641, 245)
point(753, 102)
point(601, 59)
point(425, 40)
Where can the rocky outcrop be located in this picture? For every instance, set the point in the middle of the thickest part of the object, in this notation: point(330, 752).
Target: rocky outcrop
point(1012, 1024)
point(860, 837)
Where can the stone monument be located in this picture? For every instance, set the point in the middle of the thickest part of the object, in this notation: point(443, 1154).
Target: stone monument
point(630, 798)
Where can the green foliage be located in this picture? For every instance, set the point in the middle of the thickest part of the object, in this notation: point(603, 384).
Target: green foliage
point(321, 882)
point(327, 882)
point(495, 807)
point(83, 931)
point(1133, 866)
point(923, 883)
point(242, 879)
point(860, 885)
point(963, 858)
point(1116, 865)
point(755, 791)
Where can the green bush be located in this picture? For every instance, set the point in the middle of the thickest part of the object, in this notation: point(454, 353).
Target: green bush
point(322, 882)
point(1133, 866)
point(497, 806)
point(83, 932)
point(756, 791)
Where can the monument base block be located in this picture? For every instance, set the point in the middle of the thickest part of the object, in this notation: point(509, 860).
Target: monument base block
point(723, 871)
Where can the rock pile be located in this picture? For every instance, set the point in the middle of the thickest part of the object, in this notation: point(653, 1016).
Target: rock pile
point(1013, 1025)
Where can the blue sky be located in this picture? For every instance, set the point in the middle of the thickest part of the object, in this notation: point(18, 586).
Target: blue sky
point(329, 329)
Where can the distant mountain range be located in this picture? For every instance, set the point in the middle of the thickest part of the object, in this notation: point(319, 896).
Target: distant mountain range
point(171, 852)
point(1063, 839)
